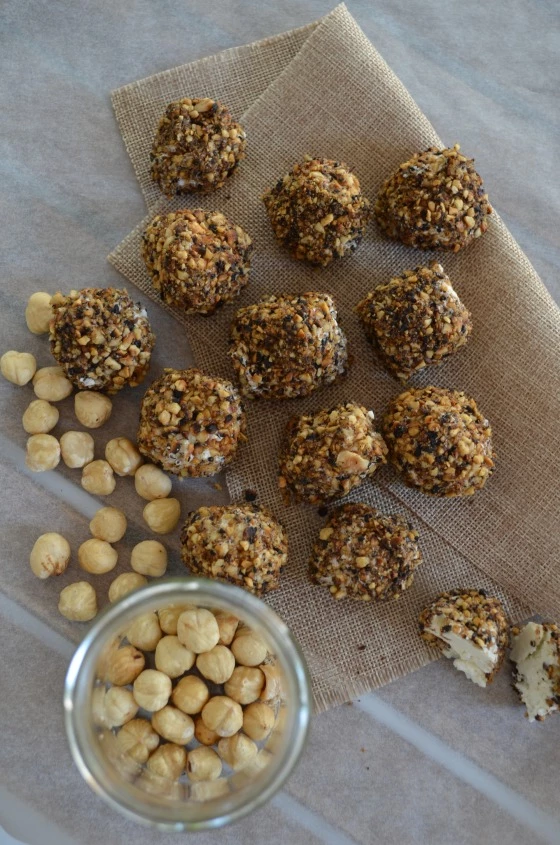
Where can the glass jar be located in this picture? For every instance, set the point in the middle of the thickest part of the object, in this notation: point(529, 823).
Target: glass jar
point(178, 806)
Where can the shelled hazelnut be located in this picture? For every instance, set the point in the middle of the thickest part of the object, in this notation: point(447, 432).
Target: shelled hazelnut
point(42, 452)
point(151, 482)
point(38, 312)
point(40, 417)
point(78, 602)
point(162, 515)
point(172, 657)
point(203, 764)
point(190, 695)
point(168, 761)
point(203, 734)
point(51, 384)
point(124, 584)
point(137, 739)
point(258, 720)
point(237, 751)
point(248, 648)
point(123, 456)
point(216, 665)
point(149, 558)
point(77, 448)
point(119, 707)
point(50, 555)
point(144, 632)
point(18, 367)
point(92, 409)
point(97, 557)
point(151, 690)
point(98, 478)
point(245, 684)
point(223, 715)
point(108, 524)
point(123, 665)
point(198, 630)
point(173, 725)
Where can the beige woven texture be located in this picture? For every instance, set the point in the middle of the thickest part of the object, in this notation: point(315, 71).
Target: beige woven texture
point(324, 90)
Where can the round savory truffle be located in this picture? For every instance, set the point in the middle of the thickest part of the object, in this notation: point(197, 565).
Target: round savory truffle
point(101, 338)
point(190, 423)
point(415, 320)
point(325, 455)
point(439, 441)
point(283, 346)
point(197, 259)
point(197, 146)
point(435, 200)
point(469, 627)
point(318, 211)
point(362, 554)
point(242, 544)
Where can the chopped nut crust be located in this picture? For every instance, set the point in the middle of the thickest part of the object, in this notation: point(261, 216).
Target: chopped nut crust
point(190, 423)
point(439, 441)
point(435, 200)
point(414, 321)
point(318, 211)
point(365, 555)
point(197, 259)
point(284, 347)
point(242, 544)
point(101, 338)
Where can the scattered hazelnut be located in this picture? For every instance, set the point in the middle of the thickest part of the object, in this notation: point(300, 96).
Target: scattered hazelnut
point(151, 482)
point(144, 632)
point(207, 790)
point(217, 664)
point(168, 761)
point(18, 367)
point(162, 515)
point(137, 739)
point(203, 764)
point(273, 681)
point(123, 456)
point(50, 555)
point(149, 558)
point(124, 584)
point(123, 665)
point(190, 695)
point(51, 384)
point(40, 417)
point(172, 657)
point(227, 626)
point(43, 452)
point(151, 690)
point(38, 312)
point(119, 707)
point(203, 734)
point(173, 725)
point(245, 684)
point(237, 751)
point(92, 409)
point(198, 630)
point(78, 602)
point(258, 720)
point(168, 617)
point(98, 478)
point(97, 556)
point(223, 715)
point(77, 448)
point(108, 524)
point(248, 648)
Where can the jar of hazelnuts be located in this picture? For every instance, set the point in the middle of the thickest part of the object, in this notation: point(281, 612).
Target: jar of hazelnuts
point(193, 725)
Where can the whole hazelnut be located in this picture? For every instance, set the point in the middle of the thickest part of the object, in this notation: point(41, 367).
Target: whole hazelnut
point(123, 456)
point(168, 761)
point(98, 478)
point(124, 584)
point(157, 785)
point(207, 790)
point(248, 648)
point(50, 555)
point(162, 515)
point(119, 707)
point(18, 367)
point(51, 384)
point(172, 657)
point(78, 602)
point(151, 690)
point(227, 626)
point(173, 725)
point(144, 632)
point(38, 312)
point(123, 665)
point(149, 558)
point(217, 664)
point(198, 630)
point(40, 417)
point(43, 452)
point(203, 734)
point(108, 524)
point(223, 715)
point(137, 739)
point(258, 720)
point(151, 482)
point(203, 764)
point(168, 617)
point(190, 695)
point(245, 684)
point(237, 751)
point(273, 681)
point(77, 448)
point(97, 557)
point(92, 409)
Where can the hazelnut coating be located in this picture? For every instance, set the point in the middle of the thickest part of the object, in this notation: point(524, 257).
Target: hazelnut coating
point(197, 260)
point(123, 456)
point(119, 707)
point(203, 764)
point(149, 558)
point(101, 339)
point(190, 695)
point(435, 200)
point(151, 690)
point(144, 632)
point(258, 720)
point(318, 211)
point(237, 751)
point(203, 734)
point(18, 367)
point(137, 739)
point(77, 448)
point(151, 482)
point(248, 648)
point(245, 684)
point(198, 630)
point(123, 665)
point(172, 657)
point(223, 715)
point(173, 725)
point(43, 452)
point(97, 556)
point(124, 584)
point(108, 524)
point(197, 146)
point(51, 384)
point(38, 312)
point(78, 602)
point(162, 515)
point(439, 441)
point(190, 423)
point(92, 409)
point(50, 555)
point(98, 478)
point(216, 665)
point(40, 417)
point(168, 761)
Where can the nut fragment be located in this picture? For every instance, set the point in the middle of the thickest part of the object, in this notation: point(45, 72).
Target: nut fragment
point(18, 367)
point(108, 524)
point(98, 478)
point(168, 761)
point(38, 312)
point(123, 456)
point(77, 448)
point(50, 555)
point(137, 739)
point(43, 452)
point(237, 751)
point(144, 632)
point(216, 665)
point(172, 657)
point(151, 690)
point(92, 409)
point(149, 558)
point(223, 715)
point(173, 725)
point(248, 648)
point(119, 707)
point(203, 764)
point(151, 482)
point(190, 695)
point(97, 556)
point(162, 515)
point(78, 602)
point(258, 720)
point(245, 684)
point(124, 584)
point(40, 417)
point(123, 665)
point(51, 384)
point(198, 630)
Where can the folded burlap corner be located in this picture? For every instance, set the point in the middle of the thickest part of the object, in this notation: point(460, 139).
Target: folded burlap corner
point(324, 90)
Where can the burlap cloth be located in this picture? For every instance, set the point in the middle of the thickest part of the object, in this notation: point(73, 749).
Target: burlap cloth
point(324, 90)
